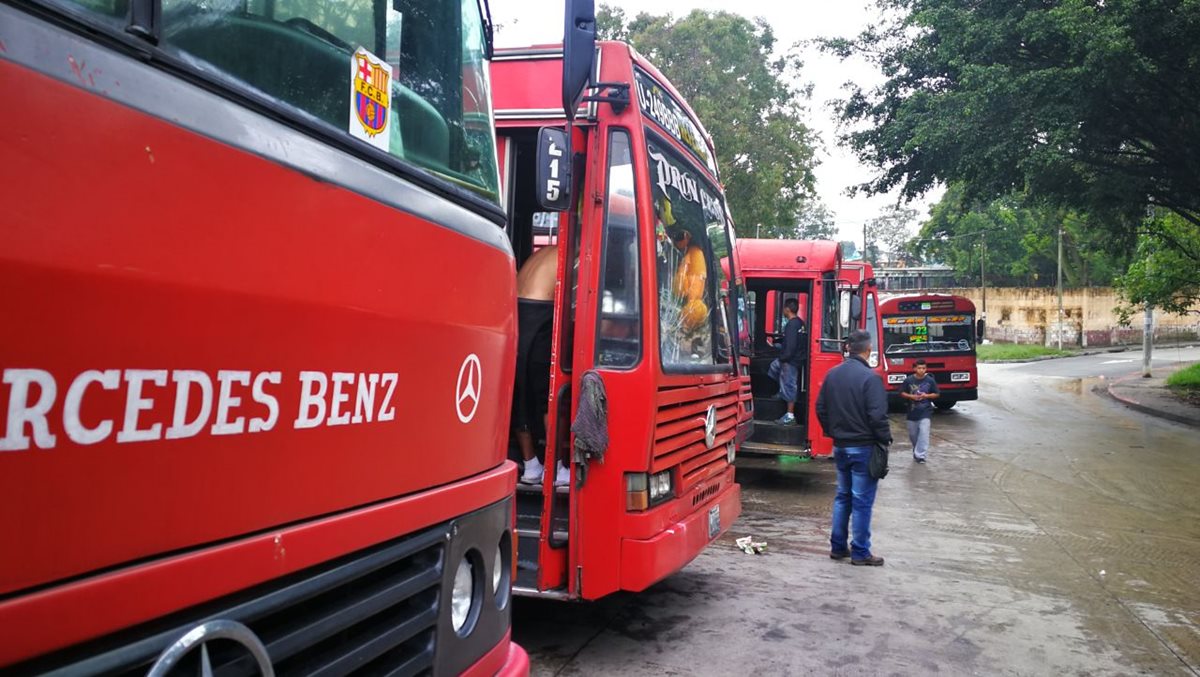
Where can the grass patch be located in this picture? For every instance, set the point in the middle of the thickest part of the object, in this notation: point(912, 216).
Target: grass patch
point(1012, 351)
point(1186, 379)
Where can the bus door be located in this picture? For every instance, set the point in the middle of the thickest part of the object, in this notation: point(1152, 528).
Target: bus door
point(767, 297)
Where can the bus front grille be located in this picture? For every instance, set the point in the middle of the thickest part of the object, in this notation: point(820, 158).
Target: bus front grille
point(679, 430)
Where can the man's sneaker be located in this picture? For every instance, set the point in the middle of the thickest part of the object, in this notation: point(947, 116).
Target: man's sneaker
point(839, 555)
point(786, 419)
point(870, 561)
point(563, 477)
point(918, 460)
point(533, 472)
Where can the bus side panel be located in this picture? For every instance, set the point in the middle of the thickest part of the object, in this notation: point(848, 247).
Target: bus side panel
point(137, 251)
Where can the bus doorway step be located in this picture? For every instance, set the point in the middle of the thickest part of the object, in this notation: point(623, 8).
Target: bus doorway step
point(768, 449)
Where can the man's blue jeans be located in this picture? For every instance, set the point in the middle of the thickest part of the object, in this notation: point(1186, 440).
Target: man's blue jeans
point(853, 502)
point(786, 373)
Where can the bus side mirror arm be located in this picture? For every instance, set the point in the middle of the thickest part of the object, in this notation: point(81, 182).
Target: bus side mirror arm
point(617, 95)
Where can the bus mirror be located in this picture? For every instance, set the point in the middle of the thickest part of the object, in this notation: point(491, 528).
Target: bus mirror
point(855, 307)
point(844, 310)
point(579, 47)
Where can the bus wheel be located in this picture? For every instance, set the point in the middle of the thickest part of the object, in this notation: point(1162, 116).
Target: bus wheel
point(944, 406)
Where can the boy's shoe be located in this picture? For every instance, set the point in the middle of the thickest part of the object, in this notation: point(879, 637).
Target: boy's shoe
point(839, 555)
point(786, 419)
point(870, 561)
point(533, 472)
point(918, 459)
point(563, 477)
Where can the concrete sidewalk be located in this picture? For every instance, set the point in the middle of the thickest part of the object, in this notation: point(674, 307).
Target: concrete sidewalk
point(1151, 396)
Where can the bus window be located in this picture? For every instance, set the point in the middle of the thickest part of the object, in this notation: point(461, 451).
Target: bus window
point(831, 338)
point(619, 343)
point(684, 206)
point(872, 329)
point(301, 54)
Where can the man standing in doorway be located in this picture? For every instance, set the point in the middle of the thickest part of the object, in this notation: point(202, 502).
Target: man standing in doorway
point(920, 390)
point(852, 409)
point(531, 393)
point(786, 367)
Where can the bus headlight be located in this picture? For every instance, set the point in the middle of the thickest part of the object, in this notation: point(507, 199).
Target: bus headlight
point(660, 486)
point(730, 452)
point(643, 490)
point(873, 360)
point(462, 597)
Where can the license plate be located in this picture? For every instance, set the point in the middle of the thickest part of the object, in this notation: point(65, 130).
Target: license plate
point(714, 521)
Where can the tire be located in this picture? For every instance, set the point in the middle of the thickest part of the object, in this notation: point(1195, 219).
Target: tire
point(944, 406)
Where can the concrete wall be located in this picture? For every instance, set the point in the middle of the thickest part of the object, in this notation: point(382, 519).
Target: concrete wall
point(1029, 315)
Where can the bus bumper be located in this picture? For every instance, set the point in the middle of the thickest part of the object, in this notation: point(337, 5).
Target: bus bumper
point(645, 562)
point(507, 659)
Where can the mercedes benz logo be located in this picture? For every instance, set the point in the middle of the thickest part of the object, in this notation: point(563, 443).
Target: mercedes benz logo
point(710, 426)
point(200, 636)
point(466, 395)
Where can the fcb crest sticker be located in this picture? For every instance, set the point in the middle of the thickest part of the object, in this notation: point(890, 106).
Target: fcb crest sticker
point(370, 98)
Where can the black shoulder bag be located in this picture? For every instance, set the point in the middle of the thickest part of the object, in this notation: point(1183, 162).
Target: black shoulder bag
point(877, 466)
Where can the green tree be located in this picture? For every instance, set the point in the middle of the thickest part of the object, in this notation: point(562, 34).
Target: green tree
point(1019, 242)
point(726, 67)
point(888, 235)
point(1092, 105)
point(1164, 273)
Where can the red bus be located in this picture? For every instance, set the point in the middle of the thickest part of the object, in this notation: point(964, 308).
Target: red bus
point(626, 175)
point(242, 426)
point(834, 297)
point(940, 328)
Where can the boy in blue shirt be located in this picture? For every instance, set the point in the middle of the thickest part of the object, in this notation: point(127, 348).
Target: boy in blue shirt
point(920, 390)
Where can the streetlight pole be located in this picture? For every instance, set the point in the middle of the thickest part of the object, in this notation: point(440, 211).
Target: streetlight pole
point(1060, 308)
point(1147, 341)
point(982, 273)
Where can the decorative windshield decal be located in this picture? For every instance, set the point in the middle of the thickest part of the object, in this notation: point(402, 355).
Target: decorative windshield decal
point(370, 98)
point(658, 105)
point(685, 206)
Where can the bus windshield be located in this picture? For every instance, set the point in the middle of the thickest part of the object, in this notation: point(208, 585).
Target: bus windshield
point(940, 333)
point(407, 77)
point(692, 237)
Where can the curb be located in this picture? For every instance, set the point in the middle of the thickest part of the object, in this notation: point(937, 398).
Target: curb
point(1138, 406)
point(1091, 351)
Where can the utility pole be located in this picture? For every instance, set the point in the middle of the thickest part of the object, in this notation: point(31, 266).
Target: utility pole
point(864, 256)
point(1148, 341)
point(982, 273)
point(1060, 309)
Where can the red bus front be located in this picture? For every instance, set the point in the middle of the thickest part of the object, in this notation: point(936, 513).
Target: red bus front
point(939, 328)
point(241, 420)
point(640, 309)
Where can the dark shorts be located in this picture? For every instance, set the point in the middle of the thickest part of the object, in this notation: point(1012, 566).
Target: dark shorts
point(532, 389)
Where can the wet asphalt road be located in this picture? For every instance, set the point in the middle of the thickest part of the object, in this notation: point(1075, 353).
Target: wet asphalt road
point(1053, 532)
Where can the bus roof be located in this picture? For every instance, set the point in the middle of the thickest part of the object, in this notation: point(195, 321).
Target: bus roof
point(784, 255)
point(890, 303)
point(528, 97)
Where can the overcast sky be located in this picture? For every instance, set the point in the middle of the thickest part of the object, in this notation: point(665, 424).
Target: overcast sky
point(533, 21)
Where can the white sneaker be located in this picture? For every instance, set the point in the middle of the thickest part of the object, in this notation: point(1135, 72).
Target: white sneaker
point(533, 472)
point(563, 477)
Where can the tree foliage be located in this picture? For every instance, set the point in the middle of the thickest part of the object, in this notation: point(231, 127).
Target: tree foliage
point(1093, 105)
point(726, 68)
point(1164, 273)
point(888, 235)
point(1019, 242)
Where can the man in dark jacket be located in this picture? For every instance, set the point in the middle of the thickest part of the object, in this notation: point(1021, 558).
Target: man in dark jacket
point(852, 408)
point(786, 367)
